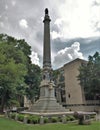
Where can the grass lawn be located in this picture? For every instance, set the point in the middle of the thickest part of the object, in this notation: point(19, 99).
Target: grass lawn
point(6, 124)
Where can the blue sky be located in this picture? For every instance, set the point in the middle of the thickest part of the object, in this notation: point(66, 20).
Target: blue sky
point(75, 27)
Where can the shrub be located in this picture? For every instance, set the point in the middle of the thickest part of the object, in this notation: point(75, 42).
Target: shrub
point(59, 119)
point(54, 119)
point(20, 117)
point(33, 119)
point(70, 118)
point(46, 120)
point(67, 118)
point(12, 115)
point(29, 119)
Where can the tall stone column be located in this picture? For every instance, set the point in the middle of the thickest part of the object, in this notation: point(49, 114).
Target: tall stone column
point(47, 102)
point(47, 49)
point(47, 83)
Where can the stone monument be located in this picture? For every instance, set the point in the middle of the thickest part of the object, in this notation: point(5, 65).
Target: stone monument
point(47, 102)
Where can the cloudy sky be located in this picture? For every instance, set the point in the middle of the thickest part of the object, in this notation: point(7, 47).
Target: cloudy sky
point(75, 27)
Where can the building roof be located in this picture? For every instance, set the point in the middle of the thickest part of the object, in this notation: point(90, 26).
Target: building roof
point(76, 60)
point(71, 62)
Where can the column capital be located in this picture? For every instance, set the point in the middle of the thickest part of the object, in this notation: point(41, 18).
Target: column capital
point(46, 18)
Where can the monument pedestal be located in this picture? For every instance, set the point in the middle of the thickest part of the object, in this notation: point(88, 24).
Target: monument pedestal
point(47, 102)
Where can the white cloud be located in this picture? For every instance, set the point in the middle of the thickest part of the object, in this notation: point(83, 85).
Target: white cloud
point(67, 54)
point(6, 18)
point(42, 18)
point(13, 3)
point(75, 19)
point(34, 58)
point(97, 2)
point(2, 24)
point(58, 22)
point(96, 17)
point(23, 23)
point(55, 35)
point(6, 7)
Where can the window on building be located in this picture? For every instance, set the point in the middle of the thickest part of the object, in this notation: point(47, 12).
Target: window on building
point(69, 95)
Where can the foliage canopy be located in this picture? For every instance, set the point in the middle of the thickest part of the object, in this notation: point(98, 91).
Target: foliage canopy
point(90, 77)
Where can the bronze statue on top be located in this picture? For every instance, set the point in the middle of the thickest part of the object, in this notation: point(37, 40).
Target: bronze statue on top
point(46, 11)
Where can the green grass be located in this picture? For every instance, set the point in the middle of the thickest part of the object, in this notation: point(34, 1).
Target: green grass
point(6, 124)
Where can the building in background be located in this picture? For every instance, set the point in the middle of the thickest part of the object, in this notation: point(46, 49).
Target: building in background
point(68, 91)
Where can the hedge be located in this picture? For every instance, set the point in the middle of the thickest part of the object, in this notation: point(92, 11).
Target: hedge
point(33, 119)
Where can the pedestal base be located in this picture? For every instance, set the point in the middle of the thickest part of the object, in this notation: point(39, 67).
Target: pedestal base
point(47, 105)
point(47, 102)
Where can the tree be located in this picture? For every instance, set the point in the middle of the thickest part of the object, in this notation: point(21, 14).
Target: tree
point(12, 72)
point(18, 76)
point(14, 62)
point(33, 81)
point(90, 77)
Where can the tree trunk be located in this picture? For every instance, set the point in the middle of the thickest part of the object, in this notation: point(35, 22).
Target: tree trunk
point(2, 103)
